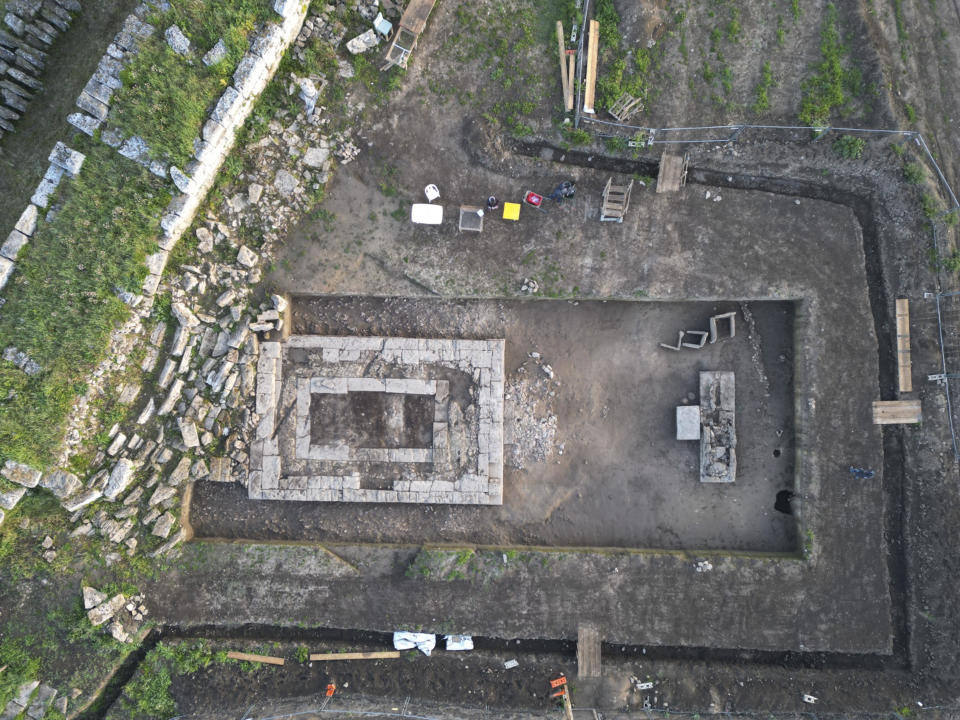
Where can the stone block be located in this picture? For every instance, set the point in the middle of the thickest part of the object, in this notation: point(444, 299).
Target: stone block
point(92, 106)
point(224, 104)
point(250, 75)
point(177, 41)
point(15, 242)
point(120, 478)
point(81, 499)
point(20, 474)
point(103, 612)
point(215, 54)
point(61, 483)
point(27, 223)
point(6, 270)
point(47, 186)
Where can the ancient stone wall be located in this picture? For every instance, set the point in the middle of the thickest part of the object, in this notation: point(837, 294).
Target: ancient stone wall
point(29, 27)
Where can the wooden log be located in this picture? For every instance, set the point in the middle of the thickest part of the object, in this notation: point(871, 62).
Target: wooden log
point(904, 362)
point(380, 655)
point(268, 659)
point(590, 83)
point(564, 78)
point(571, 73)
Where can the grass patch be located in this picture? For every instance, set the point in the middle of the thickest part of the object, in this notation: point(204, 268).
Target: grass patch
point(914, 173)
point(165, 97)
point(761, 102)
point(849, 147)
point(148, 694)
point(61, 302)
point(827, 90)
point(22, 666)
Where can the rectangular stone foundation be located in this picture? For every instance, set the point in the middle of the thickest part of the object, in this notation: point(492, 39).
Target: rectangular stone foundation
point(455, 456)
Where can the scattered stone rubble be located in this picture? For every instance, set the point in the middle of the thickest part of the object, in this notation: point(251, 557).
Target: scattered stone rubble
point(125, 615)
point(28, 29)
point(31, 701)
point(205, 360)
point(530, 421)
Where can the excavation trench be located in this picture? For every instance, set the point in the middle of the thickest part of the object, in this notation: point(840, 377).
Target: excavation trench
point(893, 481)
point(880, 306)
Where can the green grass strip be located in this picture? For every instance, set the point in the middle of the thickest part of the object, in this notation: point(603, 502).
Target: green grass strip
point(165, 97)
point(61, 301)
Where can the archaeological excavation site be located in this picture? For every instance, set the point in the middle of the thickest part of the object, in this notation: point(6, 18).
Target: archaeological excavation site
point(574, 359)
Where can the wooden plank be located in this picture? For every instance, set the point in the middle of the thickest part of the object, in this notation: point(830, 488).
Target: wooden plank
point(896, 412)
point(571, 72)
point(671, 173)
point(416, 14)
point(380, 655)
point(588, 651)
point(564, 80)
point(269, 659)
point(590, 84)
point(904, 361)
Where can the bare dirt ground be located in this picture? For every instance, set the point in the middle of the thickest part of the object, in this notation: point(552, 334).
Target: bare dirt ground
point(868, 621)
point(592, 457)
point(869, 587)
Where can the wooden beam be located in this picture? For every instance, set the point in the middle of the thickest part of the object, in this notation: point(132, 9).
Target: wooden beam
point(384, 655)
point(270, 660)
point(904, 362)
point(896, 412)
point(571, 73)
point(564, 79)
point(590, 84)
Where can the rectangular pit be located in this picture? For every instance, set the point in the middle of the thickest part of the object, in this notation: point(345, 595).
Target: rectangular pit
point(591, 456)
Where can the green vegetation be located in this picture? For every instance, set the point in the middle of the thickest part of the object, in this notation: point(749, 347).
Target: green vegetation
point(577, 136)
point(62, 303)
point(623, 72)
point(148, 694)
point(929, 205)
point(914, 173)
point(165, 97)
point(849, 147)
point(762, 102)
point(22, 666)
point(830, 87)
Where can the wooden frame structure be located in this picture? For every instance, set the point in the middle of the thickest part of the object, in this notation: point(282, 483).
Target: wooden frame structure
point(625, 107)
point(904, 362)
point(616, 201)
point(411, 25)
point(673, 173)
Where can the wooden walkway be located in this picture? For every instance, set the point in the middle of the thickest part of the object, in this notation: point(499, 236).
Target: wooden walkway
point(673, 173)
point(588, 651)
point(896, 412)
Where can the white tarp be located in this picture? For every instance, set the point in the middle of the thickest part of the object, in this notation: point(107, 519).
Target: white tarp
point(426, 214)
point(459, 642)
point(424, 642)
